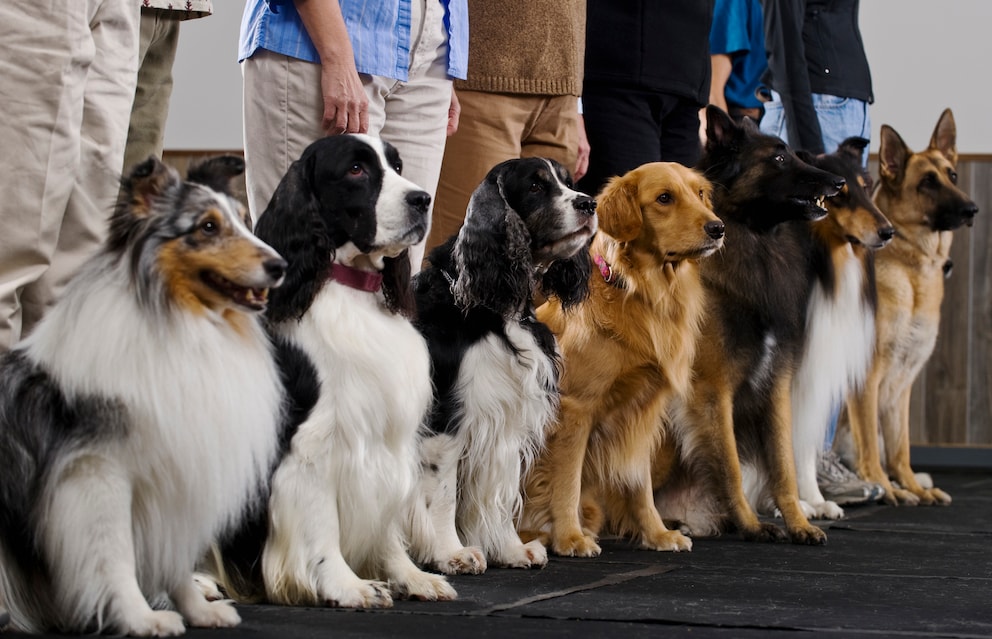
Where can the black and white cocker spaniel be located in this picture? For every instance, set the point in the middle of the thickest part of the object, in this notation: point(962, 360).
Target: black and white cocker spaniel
point(358, 378)
point(495, 367)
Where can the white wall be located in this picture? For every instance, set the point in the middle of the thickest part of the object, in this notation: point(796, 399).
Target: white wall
point(925, 55)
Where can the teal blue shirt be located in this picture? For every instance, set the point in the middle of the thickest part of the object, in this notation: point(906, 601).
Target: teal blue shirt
point(379, 31)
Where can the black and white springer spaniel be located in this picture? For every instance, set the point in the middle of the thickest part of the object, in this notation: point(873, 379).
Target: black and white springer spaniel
point(358, 377)
point(495, 367)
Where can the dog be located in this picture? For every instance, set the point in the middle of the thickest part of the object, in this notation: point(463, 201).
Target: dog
point(918, 192)
point(495, 367)
point(737, 415)
point(840, 316)
point(357, 375)
point(627, 350)
point(140, 417)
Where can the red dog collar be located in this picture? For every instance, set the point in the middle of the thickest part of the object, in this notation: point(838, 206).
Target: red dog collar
point(355, 278)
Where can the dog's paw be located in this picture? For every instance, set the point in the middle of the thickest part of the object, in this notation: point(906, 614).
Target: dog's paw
point(362, 594)
point(157, 623)
point(533, 554)
point(666, 541)
point(900, 497)
point(575, 545)
point(469, 560)
point(207, 587)
point(765, 532)
point(424, 586)
point(808, 535)
point(825, 510)
point(940, 498)
point(214, 614)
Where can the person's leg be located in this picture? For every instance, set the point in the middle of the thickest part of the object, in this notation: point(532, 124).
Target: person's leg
point(552, 131)
point(416, 111)
point(489, 132)
point(773, 122)
point(623, 129)
point(110, 42)
point(156, 55)
point(841, 118)
point(283, 107)
point(680, 131)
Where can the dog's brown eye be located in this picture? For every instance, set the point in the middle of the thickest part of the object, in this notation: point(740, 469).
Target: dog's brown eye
point(953, 176)
point(536, 187)
point(702, 196)
point(356, 169)
point(209, 227)
point(665, 198)
point(780, 158)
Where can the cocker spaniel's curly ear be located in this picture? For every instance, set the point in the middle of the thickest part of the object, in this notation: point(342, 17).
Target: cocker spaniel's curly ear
point(492, 253)
point(396, 284)
point(568, 280)
point(619, 210)
point(292, 222)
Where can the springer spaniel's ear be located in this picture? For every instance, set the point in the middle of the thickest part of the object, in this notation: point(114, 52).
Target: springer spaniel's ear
point(292, 222)
point(396, 286)
point(568, 280)
point(618, 208)
point(492, 253)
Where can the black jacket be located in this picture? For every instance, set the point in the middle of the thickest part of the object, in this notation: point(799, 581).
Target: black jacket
point(657, 45)
point(813, 46)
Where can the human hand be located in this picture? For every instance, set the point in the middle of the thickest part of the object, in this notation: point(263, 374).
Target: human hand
point(346, 106)
point(582, 157)
point(454, 113)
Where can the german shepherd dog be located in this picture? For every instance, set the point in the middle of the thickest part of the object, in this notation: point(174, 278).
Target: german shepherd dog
point(918, 192)
point(840, 318)
point(739, 408)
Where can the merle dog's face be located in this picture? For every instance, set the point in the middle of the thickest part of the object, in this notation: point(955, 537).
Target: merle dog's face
point(363, 198)
point(761, 173)
point(559, 219)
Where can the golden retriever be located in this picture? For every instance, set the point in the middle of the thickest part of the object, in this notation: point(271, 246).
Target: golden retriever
point(627, 350)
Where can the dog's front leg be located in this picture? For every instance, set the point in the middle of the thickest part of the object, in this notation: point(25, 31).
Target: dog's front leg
point(433, 535)
point(90, 542)
point(780, 462)
point(895, 430)
point(200, 612)
point(406, 580)
point(864, 418)
point(302, 563)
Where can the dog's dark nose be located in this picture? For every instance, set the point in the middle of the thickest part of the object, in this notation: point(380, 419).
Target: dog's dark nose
point(714, 229)
point(970, 210)
point(419, 200)
point(585, 204)
point(275, 268)
point(886, 233)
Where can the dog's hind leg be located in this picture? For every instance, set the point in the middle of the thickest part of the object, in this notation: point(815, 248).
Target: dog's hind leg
point(88, 537)
point(895, 430)
point(433, 537)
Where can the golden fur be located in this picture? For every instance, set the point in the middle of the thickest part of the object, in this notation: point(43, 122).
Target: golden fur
point(910, 280)
point(627, 350)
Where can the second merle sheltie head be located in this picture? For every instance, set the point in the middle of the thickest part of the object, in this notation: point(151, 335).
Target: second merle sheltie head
point(189, 241)
point(758, 180)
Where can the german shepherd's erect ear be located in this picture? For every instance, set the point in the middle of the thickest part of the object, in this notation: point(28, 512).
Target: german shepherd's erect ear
point(945, 136)
point(892, 155)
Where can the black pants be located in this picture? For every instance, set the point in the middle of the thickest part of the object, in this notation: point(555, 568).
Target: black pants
point(630, 127)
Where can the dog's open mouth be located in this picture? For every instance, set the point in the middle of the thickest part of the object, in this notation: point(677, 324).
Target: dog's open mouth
point(251, 298)
point(815, 207)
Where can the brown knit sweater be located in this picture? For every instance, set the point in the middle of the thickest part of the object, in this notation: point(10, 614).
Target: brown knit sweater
point(534, 47)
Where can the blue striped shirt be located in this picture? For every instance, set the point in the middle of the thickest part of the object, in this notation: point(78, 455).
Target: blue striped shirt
point(379, 31)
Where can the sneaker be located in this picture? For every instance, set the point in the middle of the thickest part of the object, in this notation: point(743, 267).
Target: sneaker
point(841, 486)
point(4, 619)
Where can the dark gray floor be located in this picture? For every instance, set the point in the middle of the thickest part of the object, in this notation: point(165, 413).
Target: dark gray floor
point(892, 572)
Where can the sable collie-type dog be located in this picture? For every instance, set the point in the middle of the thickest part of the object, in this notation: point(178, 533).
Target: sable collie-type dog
point(739, 409)
point(495, 367)
point(141, 414)
point(627, 350)
point(358, 377)
point(840, 317)
point(918, 192)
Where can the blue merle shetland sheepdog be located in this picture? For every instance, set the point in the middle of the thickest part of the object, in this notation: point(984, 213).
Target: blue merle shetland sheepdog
point(141, 415)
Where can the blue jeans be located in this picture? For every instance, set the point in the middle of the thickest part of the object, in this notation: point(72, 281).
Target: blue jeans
point(840, 118)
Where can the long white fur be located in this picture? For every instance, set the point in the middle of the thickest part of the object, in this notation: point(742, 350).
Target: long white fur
point(124, 521)
point(342, 495)
point(838, 352)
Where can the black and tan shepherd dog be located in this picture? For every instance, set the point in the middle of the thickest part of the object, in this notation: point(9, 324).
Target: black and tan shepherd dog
point(735, 425)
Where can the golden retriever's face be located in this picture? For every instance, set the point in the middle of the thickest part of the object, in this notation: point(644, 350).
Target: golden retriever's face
point(663, 209)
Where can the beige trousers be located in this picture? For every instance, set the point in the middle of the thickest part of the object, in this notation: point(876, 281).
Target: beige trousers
point(67, 79)
point(283, 108)
point(495, 127)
